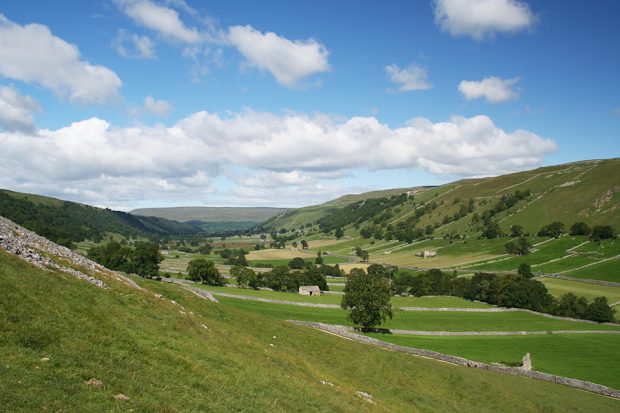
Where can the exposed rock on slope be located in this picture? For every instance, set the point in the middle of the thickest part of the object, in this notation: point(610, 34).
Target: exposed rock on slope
point(37, 250)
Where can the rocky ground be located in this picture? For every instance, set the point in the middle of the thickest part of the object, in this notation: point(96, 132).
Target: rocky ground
point(39, 251)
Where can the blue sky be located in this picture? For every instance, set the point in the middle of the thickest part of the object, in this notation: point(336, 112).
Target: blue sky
point(127, 104)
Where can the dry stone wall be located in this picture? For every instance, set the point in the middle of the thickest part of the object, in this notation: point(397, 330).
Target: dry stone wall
point(579, 384)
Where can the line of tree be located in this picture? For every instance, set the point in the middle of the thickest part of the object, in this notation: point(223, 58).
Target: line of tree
point(141, 258)
point(514, 290)
point(282, 278)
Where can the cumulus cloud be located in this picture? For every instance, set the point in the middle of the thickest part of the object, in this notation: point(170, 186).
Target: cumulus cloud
point(16, 110)
point(31, 53)
point(408, 79)
point(288, 61)
point(164, 20)
point(157, 107)
point(481, 18)
point(493, 89)
point(133, 45)
point(292, 151)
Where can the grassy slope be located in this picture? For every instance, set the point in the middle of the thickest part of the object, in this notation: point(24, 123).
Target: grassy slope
point(306, 215)
point(164, 360)
point(211, 214)
point(81, 221)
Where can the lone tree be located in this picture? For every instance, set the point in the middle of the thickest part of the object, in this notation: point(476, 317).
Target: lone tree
point(367, 297)
point(339, 233)
point(204, 271)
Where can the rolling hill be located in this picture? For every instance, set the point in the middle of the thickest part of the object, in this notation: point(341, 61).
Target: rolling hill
point(211, 214)
point(66, 222)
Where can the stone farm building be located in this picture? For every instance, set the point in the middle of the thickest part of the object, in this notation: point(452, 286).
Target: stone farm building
point(309, 290)
point(427, 253)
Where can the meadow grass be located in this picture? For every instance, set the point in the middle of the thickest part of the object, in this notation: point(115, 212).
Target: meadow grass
point(606, 271)
point(591, 357)
point(192, 355)
point(397, 301)
point(558, 287)
point(421, 320)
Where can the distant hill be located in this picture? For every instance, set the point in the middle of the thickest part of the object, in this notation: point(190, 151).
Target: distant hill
point(307, 215)
point(65, 222)
point(587, 191)
point(211, 214)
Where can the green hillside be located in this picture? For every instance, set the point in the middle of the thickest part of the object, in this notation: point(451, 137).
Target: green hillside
point(587, 191)
point(296, 218)
point(211, 214)
point(66, 222)
point(180, 353)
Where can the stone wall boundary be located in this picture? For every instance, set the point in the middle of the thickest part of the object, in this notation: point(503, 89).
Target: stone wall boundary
point(567, 381)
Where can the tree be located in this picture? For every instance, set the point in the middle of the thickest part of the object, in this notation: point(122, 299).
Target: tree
point(600, 311)
point(304, 244)
point(572, 306)
point(204, 271)
point(367, 297)
point(144, 259)
point(246, 277)
point(525, 270)
point(555, 229)
point(580, 228)
point(516, 230)
point(364, 256)
point(297, 263)
point(600, 232)
point(339, 233)
point(319, 258)
point(521, 247)
point(491, 230)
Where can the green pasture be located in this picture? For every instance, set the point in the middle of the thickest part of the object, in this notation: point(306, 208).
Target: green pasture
point(421, 320)
point(591, 357)
point(397, 301)
point(557, 287)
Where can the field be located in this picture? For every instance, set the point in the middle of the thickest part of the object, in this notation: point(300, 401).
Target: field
point(588, 357)
point(193, 355)
point(421, 320)
point(336, 299)
point(558, 287)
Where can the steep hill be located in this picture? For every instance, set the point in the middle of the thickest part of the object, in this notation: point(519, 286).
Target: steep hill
point(587, 191)
point(211, 214)
point(70, 345)
point(66, 222)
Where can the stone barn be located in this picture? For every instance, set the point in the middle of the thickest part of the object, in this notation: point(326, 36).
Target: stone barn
point(309, 290)
point(428, 254)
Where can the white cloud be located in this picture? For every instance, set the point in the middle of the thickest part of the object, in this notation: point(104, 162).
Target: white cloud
point(493, 89)
point(481, 18)
point(408, 79)
point(288, 61)
point(294, 151)
point(31, 53)
point(163, 20)
point(133, 45)
point(16, 110)
point(157, 107)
